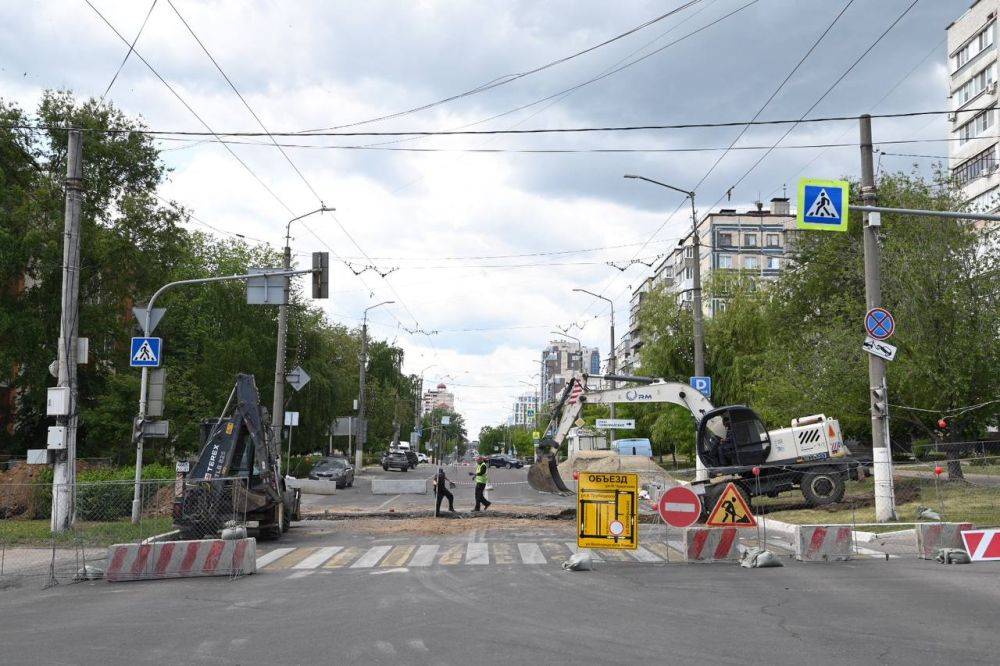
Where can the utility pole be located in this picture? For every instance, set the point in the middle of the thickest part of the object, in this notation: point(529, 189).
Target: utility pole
point(885, 501)
point(64, 469)
point(612, 357)
point(362, 437)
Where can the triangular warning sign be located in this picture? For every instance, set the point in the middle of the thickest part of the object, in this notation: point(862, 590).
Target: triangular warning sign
point(731, 510)
point(822, 206)
point(144, 352)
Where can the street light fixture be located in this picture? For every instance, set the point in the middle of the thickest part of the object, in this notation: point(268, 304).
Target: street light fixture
point(362, 424)
point(612, 359)
point(699, 331)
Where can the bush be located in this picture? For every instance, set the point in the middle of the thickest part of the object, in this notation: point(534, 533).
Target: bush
point(299, 466)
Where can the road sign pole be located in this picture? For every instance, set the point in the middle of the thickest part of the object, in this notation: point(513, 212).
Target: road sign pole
point(137, 435)
point(885, 509)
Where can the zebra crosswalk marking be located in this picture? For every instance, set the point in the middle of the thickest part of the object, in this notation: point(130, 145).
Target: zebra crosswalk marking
point(574, 549)
point(663, 551)
point(531, 553)
point(424, 556)
point(453, 555)
point(398, 556)
point(302, 574)
point(371, 557)
point(477, 553)
point(644, 555)
point(272, 556)
point(555, 551)
point(343, 558)
point(503, 553)
point(613, 555)
point(318, 557)
point(293, 558)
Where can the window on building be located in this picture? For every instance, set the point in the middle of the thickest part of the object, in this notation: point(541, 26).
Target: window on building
point(774, 263)
point(751, 263)
point(688, 273)
point(725, 239)
point(725, 261)
point(975, 85)
point(773, 240)
point(976, 167)
point(750, 240)
point(986, 202)
point(689, 252)
point(976, 127)
point(981, 42)
point(718, 305)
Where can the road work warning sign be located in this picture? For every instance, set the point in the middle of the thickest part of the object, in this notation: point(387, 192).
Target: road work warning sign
point(731, 510)
point(607, 510)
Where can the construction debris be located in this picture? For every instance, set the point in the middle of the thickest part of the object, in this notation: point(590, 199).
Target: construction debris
point(952, 556)
point(758, 558)
point(581, 561)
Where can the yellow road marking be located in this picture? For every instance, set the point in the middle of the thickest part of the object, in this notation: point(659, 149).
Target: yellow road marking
point(555, 550)
point(616, 555)
point(453, 555)
point(342, 558)
point(398, 556)
point(503, 553)
point(292, 558)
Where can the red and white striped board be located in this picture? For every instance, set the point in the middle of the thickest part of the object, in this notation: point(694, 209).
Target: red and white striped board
point(710, 544)
point(181, 559)
point(982, 545)
point(823, 543)
point(575, 392)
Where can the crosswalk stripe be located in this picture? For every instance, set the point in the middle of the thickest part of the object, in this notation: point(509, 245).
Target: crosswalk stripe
point(613, 555)
point(555, 551)
point(644, 555)
point(275, 554)
point(293, 558)
point(424, 557)
point(477, 553)
point(573, 548)
point(531, 553)
point(398, 556)
point(503, 553)
point(452, 555)
point(318, 558)
point(663, 551)
point(371, 558)
point(342, 558)
point(302, 574)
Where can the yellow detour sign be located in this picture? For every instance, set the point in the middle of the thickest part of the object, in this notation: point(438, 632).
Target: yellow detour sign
point(607, 510)
point(731, 510)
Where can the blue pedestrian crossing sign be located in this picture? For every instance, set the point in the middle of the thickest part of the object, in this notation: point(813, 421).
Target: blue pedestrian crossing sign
point(823, 204)
point(702, 385)
point(145, 352)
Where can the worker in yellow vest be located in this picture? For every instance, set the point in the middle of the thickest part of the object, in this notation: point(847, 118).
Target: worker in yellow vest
point(481, 480)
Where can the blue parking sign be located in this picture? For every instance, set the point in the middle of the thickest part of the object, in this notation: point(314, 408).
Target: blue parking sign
point(702, 385)
point(145, 352)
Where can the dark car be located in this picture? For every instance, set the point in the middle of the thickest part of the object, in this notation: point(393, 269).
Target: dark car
point(395, 460)
point(333, 469)
point(505, 461)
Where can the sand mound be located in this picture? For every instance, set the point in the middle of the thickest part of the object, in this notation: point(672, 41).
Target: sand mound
point(609, 461)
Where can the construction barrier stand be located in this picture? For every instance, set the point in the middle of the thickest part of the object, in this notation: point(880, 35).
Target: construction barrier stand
point(823, 543)
point(181, 559)
point(711, 544)
point(932, 536)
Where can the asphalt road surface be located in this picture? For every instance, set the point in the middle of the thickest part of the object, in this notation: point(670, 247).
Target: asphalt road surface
point(364, 591)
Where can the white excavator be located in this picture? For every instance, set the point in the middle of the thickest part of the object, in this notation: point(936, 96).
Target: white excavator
point(732, 443)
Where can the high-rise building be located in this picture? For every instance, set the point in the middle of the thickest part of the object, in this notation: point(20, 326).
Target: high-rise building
point(525, 410)
point(439, 397)
point(972, 87)
point(561, 359)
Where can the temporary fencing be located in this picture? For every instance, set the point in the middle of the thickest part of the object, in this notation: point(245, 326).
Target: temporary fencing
point(32, 553)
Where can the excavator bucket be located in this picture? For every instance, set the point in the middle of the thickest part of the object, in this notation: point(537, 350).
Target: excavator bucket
point(544, 475)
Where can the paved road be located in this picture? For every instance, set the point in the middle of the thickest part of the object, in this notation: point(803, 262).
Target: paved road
point(866, 611)
point(510, 487)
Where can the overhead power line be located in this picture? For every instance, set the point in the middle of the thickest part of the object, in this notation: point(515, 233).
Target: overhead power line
point(131, 47)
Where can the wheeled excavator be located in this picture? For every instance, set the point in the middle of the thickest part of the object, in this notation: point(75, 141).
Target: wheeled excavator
point(732, 444)
point(237, 475)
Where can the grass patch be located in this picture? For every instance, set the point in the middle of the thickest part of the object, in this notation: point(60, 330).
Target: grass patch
point(37, 533)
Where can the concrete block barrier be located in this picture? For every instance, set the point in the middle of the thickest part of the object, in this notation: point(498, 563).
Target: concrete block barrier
point(311, 486)
point(932, 536)
point(711, 544)
point(399, 486)
point(823, 543)
point(181, 559)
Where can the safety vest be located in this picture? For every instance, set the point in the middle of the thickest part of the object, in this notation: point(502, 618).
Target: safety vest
point(481, 473)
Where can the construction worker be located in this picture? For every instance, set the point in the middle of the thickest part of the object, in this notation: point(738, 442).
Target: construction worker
point(481, 480)
point(441, 484)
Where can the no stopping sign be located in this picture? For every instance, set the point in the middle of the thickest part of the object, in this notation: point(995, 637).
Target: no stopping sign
point(679, 507)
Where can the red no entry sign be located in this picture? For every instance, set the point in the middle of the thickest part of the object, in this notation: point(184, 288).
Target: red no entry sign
point(679, 507)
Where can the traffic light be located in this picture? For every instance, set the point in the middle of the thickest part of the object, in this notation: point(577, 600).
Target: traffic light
point(880, 406)
point(321, 275)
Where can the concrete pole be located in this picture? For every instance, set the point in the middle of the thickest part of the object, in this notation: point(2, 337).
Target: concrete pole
point(278, 404)
point(699, 326)
point(64, 469)
point(613, 366)
point(885, 503)
point(362, 436)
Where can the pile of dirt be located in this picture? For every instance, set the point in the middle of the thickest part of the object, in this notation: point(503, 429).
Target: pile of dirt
point(609, 461)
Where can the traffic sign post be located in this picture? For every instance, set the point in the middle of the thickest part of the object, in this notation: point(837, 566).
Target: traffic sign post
point(731, 510)
point(145, 353)
point(679, 507)
point(702, 385)
point(879, 323)
point(607, 510)
point(879, 348)
point(823, 204)
point(616, 424)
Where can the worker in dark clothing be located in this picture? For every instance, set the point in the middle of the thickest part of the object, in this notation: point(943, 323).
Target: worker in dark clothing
point(481, 480)
point(441, 484)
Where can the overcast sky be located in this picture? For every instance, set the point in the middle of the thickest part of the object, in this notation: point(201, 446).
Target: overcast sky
point(310, 65)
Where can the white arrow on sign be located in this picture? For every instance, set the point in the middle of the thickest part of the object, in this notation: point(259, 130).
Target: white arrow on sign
point(879, 348)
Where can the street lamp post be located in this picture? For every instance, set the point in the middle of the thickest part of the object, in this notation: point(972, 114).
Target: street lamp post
point(362, 437)
point(699, 331)
point(612, 356)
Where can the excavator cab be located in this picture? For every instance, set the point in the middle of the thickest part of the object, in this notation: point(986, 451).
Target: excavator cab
point(732, 437)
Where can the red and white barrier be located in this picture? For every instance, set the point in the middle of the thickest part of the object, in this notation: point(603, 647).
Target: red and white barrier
point(181, 559)
point(823, 543)
point(982, 545)
point(932, 536)
point(711, 544)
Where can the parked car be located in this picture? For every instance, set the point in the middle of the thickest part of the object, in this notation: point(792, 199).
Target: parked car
point(395, 460)
point(333, 469)
point(501, 460)
point(422, 457)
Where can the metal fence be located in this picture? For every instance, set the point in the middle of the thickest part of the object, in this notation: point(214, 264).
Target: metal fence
point(31, 553)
